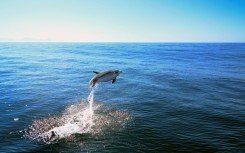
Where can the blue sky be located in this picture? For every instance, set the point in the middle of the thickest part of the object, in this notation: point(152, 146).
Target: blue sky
point(123, 20)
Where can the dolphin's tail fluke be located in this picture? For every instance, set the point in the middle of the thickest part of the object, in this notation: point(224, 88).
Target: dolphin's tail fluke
point(91, 84)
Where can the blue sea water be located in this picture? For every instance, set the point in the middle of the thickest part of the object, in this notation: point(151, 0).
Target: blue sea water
point(170, 97)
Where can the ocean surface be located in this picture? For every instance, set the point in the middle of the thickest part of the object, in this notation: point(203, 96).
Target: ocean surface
point(170, 97)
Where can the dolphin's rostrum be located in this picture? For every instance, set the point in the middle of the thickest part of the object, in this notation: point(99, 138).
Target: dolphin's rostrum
point(104, 77)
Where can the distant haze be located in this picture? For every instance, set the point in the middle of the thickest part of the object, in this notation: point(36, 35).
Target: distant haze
point(122, 21)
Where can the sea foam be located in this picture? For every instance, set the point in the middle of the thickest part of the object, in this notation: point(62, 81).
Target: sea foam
point(79, 118)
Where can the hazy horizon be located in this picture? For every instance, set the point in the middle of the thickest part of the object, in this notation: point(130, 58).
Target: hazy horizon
point(114, 42)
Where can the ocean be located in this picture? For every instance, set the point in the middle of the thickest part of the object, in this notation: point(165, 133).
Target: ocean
point(170, 97)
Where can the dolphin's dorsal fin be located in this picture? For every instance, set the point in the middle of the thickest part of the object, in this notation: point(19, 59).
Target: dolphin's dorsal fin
point(96, 72)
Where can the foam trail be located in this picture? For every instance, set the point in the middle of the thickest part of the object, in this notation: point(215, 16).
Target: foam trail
point(91, 101)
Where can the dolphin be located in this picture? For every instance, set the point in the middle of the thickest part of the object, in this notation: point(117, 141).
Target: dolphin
point(104, 77)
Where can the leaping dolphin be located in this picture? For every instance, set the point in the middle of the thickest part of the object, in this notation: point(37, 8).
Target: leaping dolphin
point(104, 77)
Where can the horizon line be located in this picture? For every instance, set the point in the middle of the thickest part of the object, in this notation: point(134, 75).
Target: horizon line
point(119, 42)
point(123, 42)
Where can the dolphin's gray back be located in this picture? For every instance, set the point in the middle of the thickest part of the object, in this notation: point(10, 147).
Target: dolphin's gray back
point(104, 73)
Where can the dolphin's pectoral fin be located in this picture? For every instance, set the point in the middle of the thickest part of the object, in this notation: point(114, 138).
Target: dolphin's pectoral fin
point(96, 72)
point(114, 80)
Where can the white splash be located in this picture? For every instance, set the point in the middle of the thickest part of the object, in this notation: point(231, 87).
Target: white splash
point(79, 122)
point(16, 119)
point(77, 119)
